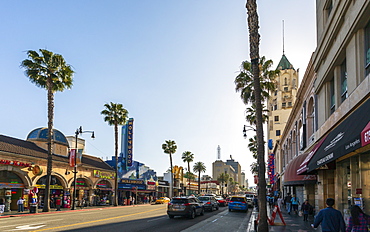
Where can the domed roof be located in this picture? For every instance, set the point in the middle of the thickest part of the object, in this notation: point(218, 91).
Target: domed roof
point(41, 134)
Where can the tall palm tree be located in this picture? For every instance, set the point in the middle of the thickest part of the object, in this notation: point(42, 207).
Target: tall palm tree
point(170, 147)
point(51, 72)
point(254, 40)
point(251, 114)
point(223, 178)
point(188, 157)
point(199, 167)
point(244, 80)
point(114, 115)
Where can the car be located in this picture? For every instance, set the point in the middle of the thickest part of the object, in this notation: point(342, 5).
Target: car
point(221, 201)
point(209, 202)
point(187, 206)
point(238, 203)
point(162, 200)
point(250, 199)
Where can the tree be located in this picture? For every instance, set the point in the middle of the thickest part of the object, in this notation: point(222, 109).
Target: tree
point(199, 167)
point(188, 157)
point(223, 178)
point(170, 147)
point(244, 80)
point(114, 115)
point(51, 72)
point(254, 40)
point(251, 114)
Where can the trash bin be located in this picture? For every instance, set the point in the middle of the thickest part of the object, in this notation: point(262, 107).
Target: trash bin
point(33, 208)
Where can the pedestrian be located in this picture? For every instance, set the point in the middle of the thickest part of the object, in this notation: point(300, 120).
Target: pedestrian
point(306, 207)
point(288, 202)
point(2, 206)
point(295, 203)
point(331, 219)
point(280, 201)
point(20, 204)
point(358, 221)
point(58, 203)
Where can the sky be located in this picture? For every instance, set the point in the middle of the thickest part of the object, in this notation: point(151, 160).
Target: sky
point(172, 65)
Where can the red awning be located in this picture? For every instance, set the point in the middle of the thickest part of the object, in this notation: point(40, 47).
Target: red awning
point(290, 175)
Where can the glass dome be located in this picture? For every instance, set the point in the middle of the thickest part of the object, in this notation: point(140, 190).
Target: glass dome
point(41, 134)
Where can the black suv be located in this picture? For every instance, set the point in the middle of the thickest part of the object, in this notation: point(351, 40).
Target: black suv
point(209, 202)
point(185, 206)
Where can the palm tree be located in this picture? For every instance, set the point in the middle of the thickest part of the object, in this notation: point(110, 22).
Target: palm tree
point(223, 178)
point(251, 114)
point(254, 40)
point(51, 72)
point(244, 80)
point(199, 167)
point(114, 115)
point(170, 147)
point(188, 157)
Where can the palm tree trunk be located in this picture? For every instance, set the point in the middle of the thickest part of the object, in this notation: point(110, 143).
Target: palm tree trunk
point(116, 156)
point(199, 183)
point(254, 39)
point(46, 207)
point(171, 185)
point(188, 178)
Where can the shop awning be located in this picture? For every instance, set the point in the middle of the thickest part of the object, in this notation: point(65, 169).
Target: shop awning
point(350, 135)
point(303, 166)
point(290, 175)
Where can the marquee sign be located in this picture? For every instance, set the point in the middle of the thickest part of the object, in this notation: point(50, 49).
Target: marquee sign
point(15, 163)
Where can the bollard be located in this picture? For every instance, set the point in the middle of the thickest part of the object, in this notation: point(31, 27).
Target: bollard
point(255, 225)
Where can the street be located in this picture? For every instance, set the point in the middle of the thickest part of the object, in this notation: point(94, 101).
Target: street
point(128, 218)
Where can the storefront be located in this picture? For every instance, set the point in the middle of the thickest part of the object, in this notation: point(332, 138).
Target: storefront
point(163, 188)
point(103, 193)
point(342, 162)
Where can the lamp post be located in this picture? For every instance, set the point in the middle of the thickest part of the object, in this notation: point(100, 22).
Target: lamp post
point(78, 131)
point(247, 128)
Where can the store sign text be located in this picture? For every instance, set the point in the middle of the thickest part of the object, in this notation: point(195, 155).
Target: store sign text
point(15, 163)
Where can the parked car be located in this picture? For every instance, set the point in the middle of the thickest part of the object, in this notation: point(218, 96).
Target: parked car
point(238, 203)
point(162, 200)
point(250, 199)
point(221, 201)
point(209, 202)
point(185, 206)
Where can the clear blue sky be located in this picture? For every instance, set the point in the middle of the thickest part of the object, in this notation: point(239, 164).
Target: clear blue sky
point(171, 64)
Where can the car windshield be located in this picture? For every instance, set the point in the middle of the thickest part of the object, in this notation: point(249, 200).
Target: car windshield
point(203, 198)
point(239, 199)
point(179, 201)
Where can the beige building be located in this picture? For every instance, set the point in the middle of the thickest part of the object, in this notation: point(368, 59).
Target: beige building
point(219, 167)
point(282, 100)
point(332, 122)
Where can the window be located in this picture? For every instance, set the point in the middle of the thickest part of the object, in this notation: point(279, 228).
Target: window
point(275, 92)
point(289, 104)
point(277, 132)
point(294, 85)
point(367, 49)
point(283, 105)
point(343, 81)
point(285, 89)
point(285, 81)
point(276, 118)
point(329, 8)
point(332, 96)
point(275, 107)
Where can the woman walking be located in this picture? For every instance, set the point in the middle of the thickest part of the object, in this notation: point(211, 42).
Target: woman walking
point(358, 220)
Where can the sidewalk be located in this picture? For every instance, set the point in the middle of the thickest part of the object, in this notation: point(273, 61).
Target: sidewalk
point(294, 223)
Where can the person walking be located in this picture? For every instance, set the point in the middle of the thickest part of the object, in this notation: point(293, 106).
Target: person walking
point(331, 220)
point(58, 203)
point(306, 207)
point(288, 202)
point(20, 204)
point(2, 206)
point(280, 202)
point(295, 203)
point(358, 221)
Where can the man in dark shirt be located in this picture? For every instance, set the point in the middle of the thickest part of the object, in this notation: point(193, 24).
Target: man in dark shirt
point(288, 203)
point(331, 219)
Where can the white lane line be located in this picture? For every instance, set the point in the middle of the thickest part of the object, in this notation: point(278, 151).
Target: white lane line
point(215, 220)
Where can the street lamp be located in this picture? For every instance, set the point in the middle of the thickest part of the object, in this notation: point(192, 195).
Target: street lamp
point(78, 131)
point(247, 128)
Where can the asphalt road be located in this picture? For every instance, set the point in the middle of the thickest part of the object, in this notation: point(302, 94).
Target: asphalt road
point(148, 218)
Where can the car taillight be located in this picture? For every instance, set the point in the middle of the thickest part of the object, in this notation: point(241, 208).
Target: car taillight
point(231, 202)
point(169, 203)
point(186, 204)
point(208, 203)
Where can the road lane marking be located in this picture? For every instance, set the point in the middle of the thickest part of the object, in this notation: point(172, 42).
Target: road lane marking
point(28, 227)
point(215, 220)
point(100, 220)
point(156, 219)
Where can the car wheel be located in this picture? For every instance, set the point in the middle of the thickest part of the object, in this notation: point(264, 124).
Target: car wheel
point(211, 209)
point(217, 207)
point(229, 210)
point(202, 212)
point(171, 216)
point(192, 214)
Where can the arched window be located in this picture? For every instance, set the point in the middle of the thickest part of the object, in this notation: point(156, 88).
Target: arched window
point(310, 118)
point(285, 81)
